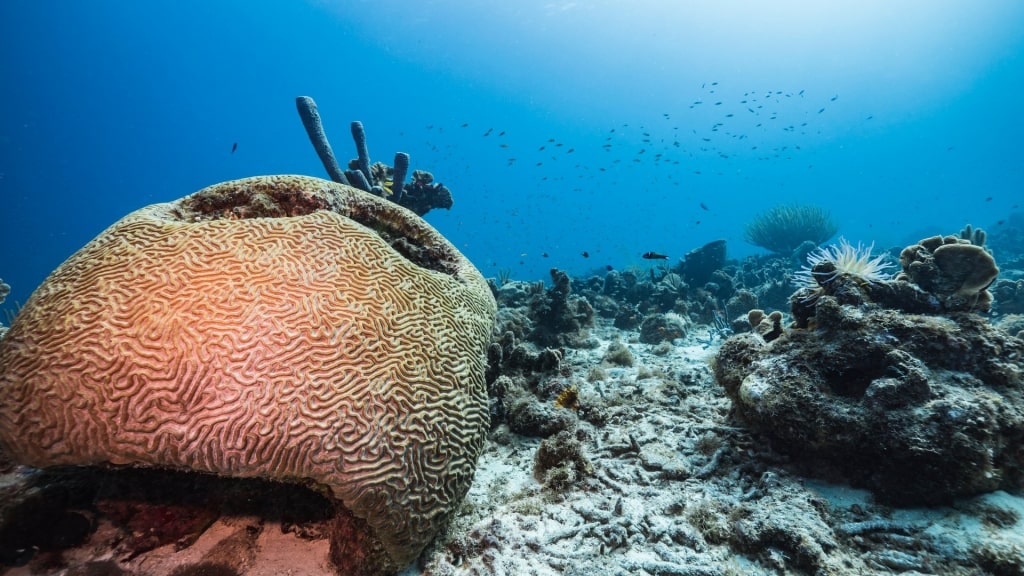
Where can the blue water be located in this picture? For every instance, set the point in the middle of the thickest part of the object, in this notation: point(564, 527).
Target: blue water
point(901, 118)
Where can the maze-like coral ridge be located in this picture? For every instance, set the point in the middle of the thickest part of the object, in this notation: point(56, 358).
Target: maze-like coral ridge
point(299, 348)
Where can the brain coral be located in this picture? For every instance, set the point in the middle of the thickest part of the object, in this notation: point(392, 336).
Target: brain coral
point(281, 327)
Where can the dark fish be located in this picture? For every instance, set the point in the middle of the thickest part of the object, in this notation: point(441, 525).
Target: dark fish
point(502, 133)
point(234, 147)
point(834, 98)
point(585, 254)
point(544, 255)
point(488, 133)
point(704, 206)
point(820, 111)
point(466, 125)
point(654, 256)
point(608, 267)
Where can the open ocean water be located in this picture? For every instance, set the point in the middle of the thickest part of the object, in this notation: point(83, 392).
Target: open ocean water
point(609, 128)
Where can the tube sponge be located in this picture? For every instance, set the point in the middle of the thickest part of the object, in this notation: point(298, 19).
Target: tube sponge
point(315, 130)
point(398, 179)
point(359, 135)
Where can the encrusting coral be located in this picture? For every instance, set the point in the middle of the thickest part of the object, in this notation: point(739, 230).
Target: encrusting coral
point(279, 327)
point(896, 384)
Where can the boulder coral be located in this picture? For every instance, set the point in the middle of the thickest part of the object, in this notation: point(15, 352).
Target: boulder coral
point(889, 383)
point(279, 327)
point(953, 269)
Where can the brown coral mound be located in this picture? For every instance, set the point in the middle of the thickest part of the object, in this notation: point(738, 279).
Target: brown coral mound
point(919, 408)
point(280, 327)
point(957, 272)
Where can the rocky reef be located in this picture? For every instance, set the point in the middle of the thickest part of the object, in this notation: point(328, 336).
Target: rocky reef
point(898, 385)
point(613, 449)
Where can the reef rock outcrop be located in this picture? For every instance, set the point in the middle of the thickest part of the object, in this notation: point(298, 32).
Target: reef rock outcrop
point(919, 407)
point(279, 327)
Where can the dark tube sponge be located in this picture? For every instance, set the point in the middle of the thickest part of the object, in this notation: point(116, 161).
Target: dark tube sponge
point(359, 135)
point(358, 179)
point(315, 131)
point(398, 179)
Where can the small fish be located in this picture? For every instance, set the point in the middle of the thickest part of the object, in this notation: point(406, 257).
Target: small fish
point(654, 256)
point(821, 110)
point(609, 268)
point(466, 125)
point(585, 254)
point(234, 147)
point(488, 133)
point(502, 133)
point(834, 98)
point(544, 255)
point(704, 206)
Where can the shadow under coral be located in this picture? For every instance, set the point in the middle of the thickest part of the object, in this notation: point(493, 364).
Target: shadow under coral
point(45, 513)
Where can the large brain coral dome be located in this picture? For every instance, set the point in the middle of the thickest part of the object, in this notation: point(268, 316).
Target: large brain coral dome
point(279, 327)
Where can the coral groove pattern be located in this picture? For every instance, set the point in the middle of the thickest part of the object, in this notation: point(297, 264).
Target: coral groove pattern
point(271, 327)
